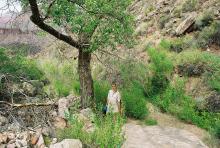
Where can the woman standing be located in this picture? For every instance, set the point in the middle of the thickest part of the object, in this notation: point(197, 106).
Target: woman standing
point(114, 100)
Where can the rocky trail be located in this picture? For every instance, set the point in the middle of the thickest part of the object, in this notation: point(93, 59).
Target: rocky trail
point(138, 136)
point(169, 133)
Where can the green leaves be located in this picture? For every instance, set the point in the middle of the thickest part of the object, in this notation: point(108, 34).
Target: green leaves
point(99, 23)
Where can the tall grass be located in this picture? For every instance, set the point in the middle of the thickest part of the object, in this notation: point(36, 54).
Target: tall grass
point(107, 131)
point(62, 75)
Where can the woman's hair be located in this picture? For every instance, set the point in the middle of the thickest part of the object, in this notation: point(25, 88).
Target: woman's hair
point(114, 83)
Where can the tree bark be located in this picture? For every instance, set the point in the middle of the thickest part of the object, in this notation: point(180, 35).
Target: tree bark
point(85, 77)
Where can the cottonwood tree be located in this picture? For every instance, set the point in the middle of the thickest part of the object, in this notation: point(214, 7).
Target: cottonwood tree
point(90, 25)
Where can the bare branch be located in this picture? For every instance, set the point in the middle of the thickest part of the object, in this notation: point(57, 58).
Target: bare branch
point(49, 10)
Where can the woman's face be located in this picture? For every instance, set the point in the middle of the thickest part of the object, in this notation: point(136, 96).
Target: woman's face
point(114, 87)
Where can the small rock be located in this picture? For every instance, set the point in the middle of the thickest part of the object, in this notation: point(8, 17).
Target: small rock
point(63, 105)
point(54, 140)
point(21, 143)
point(12, 145)
point(2, 145)
point(14, 127)
point(3, 120)
point(68, 143)
point(23, 136)
point(53, 114)
point(29, 89)
point(11, 141)
point(11, 136)
point(3, 138)
point(34, 139)
point(59, 123)
point(40, 143)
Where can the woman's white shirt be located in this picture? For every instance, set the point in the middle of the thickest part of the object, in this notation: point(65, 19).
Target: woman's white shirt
point(113, 99)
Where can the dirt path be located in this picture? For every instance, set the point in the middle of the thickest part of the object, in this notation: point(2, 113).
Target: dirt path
point(169, 133)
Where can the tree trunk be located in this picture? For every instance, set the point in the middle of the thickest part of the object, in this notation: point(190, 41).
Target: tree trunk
point(85, 77)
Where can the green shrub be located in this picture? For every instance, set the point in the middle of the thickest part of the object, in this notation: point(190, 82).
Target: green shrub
point(134, 102)
point(132, 72)
point(163, 20)
point(161, 67)
point(217, 129)
point(61, 74)
point(209, 35)
point(210, 62)
point(174, 101)
point(204, 20)
point(178, 44)
point(101, 89)
point(189, 5)
point(107, 131)
point(19, 66)
point(21, 49)
point(150, 121)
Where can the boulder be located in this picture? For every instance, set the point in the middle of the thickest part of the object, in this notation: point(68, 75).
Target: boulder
point(87, 116)
point(87, 113)
point(64, 104)
point(68, 143)
point(185, 25)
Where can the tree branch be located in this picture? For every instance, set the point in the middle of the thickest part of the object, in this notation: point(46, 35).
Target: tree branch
point(49, 10)
point(36, 19)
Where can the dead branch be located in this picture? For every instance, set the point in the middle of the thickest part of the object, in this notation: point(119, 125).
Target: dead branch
point(28, 104)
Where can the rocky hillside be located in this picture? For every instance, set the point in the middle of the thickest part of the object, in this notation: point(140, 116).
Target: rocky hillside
point(169, 18)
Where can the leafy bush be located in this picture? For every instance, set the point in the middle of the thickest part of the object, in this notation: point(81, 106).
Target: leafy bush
point(107, 131)
point(161, 67)
point(189, 5)
point(150, 121)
